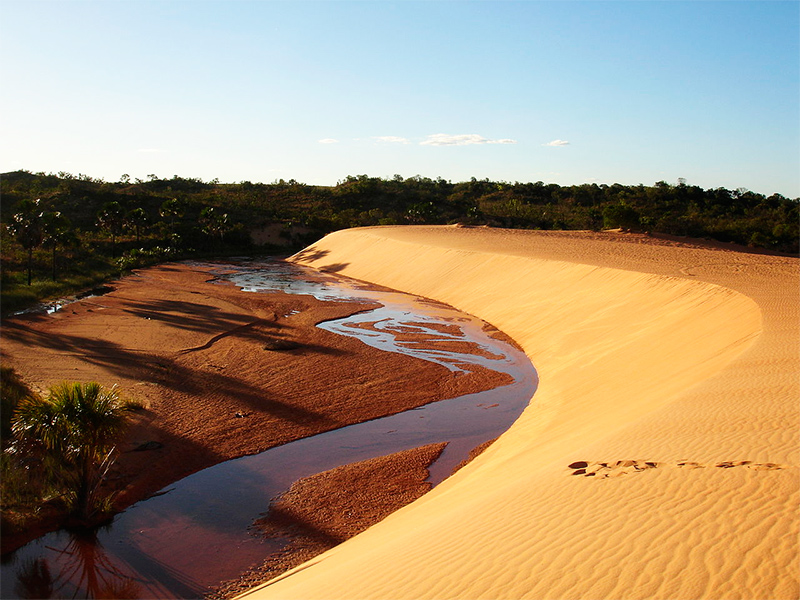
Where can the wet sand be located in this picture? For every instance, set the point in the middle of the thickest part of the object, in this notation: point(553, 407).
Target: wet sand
point(220, 373)
point(322, 511)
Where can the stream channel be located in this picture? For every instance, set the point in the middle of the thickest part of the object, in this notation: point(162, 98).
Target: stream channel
point(197, 532)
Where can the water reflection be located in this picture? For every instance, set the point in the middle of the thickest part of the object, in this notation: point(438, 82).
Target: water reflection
point(34, 579)
point(92, 564)
point(83, 568)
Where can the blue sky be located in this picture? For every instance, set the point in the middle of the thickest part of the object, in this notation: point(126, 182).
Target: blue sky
point(566, 92)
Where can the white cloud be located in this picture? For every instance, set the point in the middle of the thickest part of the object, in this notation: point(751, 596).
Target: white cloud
point(328, 141)
point(392, 139)
point(557, 143)
point(149, 150)
point(466, 139)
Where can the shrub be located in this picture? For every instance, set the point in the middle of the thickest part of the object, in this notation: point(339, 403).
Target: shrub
point(73, 433)
point(621, 215)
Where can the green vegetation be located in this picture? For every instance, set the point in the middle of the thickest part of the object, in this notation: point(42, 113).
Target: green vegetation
point(23, 490)
point(12, 391)
point(59, 450)
point(78, 231)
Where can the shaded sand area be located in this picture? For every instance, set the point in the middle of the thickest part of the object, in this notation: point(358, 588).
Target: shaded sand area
point(220, 373)
point(323, 510)
point(659, 457)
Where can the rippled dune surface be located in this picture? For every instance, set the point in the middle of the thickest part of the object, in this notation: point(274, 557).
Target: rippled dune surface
point(659, 456)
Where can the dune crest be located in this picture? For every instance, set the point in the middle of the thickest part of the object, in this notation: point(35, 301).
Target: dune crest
point(668, 384)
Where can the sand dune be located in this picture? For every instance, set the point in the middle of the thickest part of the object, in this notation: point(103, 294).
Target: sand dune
point(670, 370)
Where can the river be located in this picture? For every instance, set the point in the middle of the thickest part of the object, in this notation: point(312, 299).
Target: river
point(197, 532)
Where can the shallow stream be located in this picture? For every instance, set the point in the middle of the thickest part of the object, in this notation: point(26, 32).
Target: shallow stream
point(196, 533)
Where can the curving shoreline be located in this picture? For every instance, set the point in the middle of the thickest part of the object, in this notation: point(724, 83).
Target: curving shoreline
point(221, 373)
point(649, 351)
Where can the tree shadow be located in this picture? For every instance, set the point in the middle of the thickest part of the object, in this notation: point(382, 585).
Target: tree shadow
point(186, 315)
point(334, 267)
point(310, 255)
point(166, 371)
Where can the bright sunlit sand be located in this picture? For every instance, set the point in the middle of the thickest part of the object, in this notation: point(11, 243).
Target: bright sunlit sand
point(659, 456)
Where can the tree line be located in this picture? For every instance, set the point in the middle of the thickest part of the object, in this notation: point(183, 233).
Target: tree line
point(62, 226)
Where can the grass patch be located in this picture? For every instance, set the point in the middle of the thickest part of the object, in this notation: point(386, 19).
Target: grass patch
point(17, 295)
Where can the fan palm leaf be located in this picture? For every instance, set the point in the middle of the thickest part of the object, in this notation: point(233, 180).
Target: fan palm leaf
point(76, 426)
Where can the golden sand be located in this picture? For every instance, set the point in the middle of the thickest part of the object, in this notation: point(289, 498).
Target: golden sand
point(669, 369)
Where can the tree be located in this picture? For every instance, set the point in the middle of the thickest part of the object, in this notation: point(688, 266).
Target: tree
point(172, 209)
point(213, 223)
point(74, 430)
point(112, 218)
point(621, 215)
point(421, 212)
point(137, 218)
point(26, 227)
point(57, 230)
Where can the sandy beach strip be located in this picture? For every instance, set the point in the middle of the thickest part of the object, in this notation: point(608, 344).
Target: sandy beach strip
point(659, 457)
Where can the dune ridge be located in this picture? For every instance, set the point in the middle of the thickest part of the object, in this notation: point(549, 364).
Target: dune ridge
point(669, 369)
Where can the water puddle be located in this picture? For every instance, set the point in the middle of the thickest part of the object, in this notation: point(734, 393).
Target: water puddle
point(49, 308)
point(197, 532)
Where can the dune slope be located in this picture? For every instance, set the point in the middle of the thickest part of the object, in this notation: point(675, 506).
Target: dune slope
point(659, 456)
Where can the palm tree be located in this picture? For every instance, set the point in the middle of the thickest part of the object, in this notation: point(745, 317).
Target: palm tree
point(112, 218)
point(57, 230)
point(26, 227)
point(137, 218)
point(172, 209)
point(213, 223)
point(74, 428)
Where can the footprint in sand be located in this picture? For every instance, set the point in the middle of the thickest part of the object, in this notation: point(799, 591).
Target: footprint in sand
point(611, 469)
point(685, 464)
point(623, 467)
point(764, 466)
